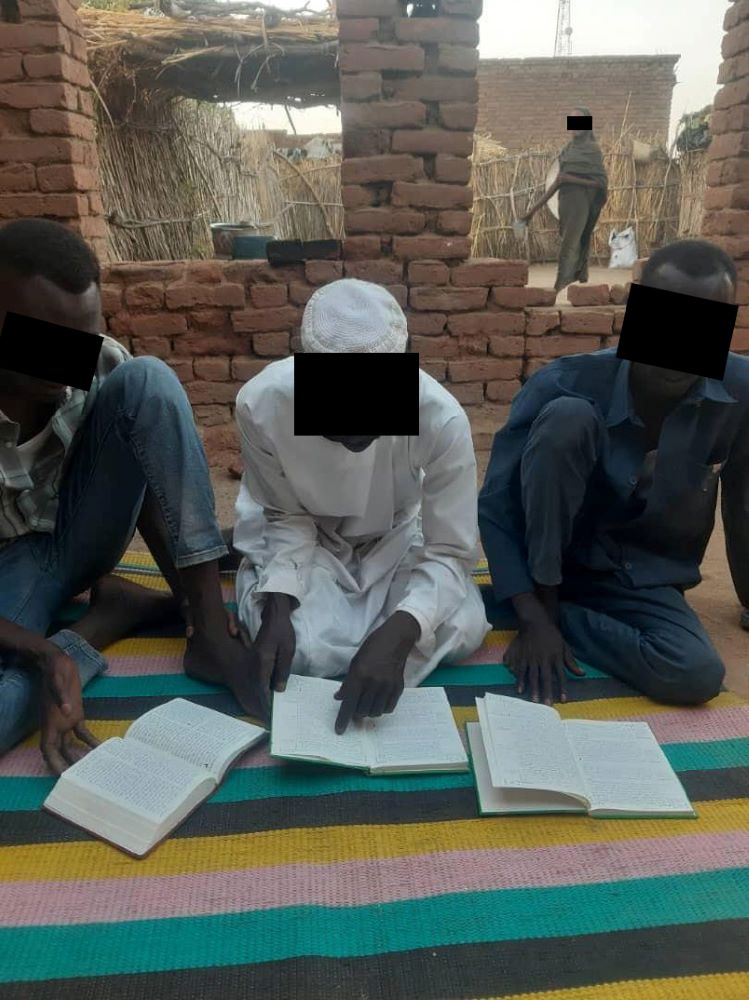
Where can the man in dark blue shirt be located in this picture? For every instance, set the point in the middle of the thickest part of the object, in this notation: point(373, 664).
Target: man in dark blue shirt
point(600, 499)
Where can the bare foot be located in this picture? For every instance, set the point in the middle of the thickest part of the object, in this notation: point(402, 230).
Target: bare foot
point(217, 658)
point(120, 607)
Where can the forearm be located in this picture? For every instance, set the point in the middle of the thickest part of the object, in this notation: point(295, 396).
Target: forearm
point(280, 603)
point(409, 625)
point(16, 639)
point(541, 201)
point(735, 510)
point(528, 608)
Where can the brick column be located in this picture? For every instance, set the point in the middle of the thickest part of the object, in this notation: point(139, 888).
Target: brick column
point(409, 95)
point(48, 161)
point(726, 220)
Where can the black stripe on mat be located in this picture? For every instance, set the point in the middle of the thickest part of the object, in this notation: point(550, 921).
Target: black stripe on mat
point(346, 809)
point(460, 972)
point(260, 815)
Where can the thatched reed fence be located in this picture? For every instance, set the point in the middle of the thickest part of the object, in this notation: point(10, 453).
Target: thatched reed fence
point(661, 198)
point(175, 167)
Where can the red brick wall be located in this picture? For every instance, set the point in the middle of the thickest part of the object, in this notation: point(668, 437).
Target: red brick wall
point(524, 102)
point(409, 107)
point(48, 162)
point(478, 328)
point(726, 220)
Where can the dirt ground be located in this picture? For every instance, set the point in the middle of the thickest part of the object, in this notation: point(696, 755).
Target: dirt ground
point(714, 600)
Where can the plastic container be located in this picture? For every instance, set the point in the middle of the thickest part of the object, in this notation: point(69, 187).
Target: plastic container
point(250, 247)
point(223, 235)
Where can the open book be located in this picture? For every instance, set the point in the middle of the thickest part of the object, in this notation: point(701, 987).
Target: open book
point(527, 759)
point(420, 735)
point(134, 791)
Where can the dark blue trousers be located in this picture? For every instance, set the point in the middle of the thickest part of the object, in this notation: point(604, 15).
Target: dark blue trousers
point(648, 637)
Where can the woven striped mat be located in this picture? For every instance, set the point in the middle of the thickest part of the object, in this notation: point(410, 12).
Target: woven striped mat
point(304, 882)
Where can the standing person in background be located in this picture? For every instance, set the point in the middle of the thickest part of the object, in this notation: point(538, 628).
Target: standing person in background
point(582, 184)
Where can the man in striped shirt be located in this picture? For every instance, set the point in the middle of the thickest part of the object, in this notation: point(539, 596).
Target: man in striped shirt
point(79, 471)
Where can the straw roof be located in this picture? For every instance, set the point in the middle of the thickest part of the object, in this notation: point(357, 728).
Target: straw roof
point(285, 60)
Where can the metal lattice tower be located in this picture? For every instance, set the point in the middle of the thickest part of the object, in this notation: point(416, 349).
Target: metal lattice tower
point(563, 43)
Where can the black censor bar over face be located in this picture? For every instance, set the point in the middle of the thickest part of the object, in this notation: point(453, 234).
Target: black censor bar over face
point(48, 351)
point(680, 332)
point(579, 123)
point(356, 394)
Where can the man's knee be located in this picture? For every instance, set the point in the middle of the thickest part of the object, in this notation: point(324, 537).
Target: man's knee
point(564, 423)
point(143, 374)
point(696, 684)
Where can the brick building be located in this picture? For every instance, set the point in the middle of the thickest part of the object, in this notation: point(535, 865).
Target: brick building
point(523, 102)
point(409, 105)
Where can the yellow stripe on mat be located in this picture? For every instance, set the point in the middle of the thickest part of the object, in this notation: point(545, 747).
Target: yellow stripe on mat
point(147, 647)
point(721, 986)
point(617, 708)
point(326, 845)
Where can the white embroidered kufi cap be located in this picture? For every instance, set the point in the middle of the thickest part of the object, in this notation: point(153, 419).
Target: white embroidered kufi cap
point(350, 316)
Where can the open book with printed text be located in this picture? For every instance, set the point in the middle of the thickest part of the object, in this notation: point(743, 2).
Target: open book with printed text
point(527, 759)
point(420, 735)
point(134, 791)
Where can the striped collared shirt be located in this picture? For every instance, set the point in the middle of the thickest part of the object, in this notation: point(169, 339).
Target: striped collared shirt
point(29, 499)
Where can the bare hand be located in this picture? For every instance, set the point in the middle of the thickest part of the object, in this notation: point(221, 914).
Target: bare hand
point(62, 713)
point(537, 655)
point(276, 643)
point(374, 682)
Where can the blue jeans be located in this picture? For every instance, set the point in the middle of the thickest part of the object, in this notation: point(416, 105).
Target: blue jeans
point(139, 436)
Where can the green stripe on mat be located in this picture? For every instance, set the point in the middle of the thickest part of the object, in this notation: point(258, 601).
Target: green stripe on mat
point(178, 685)
point(457, 918)
point(249, 784)
point(484, 673)
point(154, 685)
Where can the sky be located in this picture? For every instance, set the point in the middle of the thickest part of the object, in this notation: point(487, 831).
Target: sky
point(689, 28)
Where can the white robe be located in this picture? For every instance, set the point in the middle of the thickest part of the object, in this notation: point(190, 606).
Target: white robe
point(355, 537)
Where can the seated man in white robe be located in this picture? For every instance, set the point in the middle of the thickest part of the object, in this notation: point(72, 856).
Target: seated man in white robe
point(357, 551)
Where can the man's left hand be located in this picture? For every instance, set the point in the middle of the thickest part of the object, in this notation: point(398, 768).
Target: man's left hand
point(374, 682)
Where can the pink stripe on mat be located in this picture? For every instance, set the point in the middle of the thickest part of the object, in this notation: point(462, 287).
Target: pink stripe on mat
point(485, 654)
point(701, 725)
point(680, 726)
point(143, 666)
point(357, 883)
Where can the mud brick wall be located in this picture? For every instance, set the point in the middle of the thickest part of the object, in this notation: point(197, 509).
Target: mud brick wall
point(523, 102)
point(726, 220)
point(477, 326)
point(48, 161)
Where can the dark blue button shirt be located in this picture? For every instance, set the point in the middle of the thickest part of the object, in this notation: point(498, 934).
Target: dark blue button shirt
point(657, 541)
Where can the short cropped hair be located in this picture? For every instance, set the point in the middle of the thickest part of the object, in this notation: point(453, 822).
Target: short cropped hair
point(697, 258)
point(43, 248)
